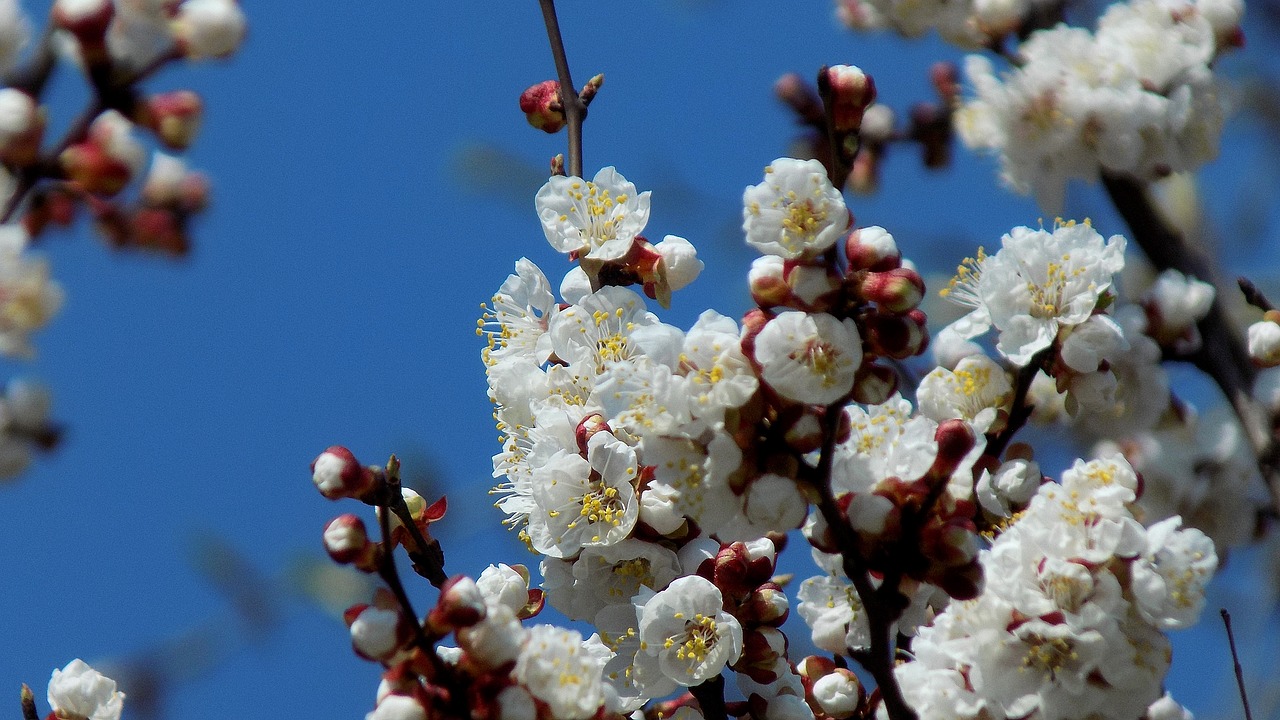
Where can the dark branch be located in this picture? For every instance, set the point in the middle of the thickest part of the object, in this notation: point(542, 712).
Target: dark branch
point(1235, 661)
point(575, 111)
point(710, 697)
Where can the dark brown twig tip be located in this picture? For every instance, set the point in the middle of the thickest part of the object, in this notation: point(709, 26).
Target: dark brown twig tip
point(1235, 661)
point(29, 711)
point(1253, 295)
point(575, 110)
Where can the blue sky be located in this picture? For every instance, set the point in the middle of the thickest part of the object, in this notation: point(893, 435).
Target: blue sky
point(373, 184)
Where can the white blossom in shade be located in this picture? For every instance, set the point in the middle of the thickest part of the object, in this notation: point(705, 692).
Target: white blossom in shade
point(976, 390)
point(1169, 578)
point(643, 397)
point(1093, 342)
point(582, 503)
point(949, 348)
point(28, 297)
point(597, 219)
point(1166, 708)
point(575, 285)
point(939, 693)
point(1141, 385)
point(719, 376)
point(516, 323)
point(809, 358)
point(612, 575)
point(1264, 343)
point(834, 613)
point(597, 330)
point(685, 633)
point(884, 441)
point(775, 503)
point(658, 509)
point(681, 261)
point(78, 692)
point(210, 28)
point(374, 632)
point(494, 641)
point(699, 473)
point(17, 114)
point(398, 707)
point(501, 585)
point(837, 694)
point(1038, 283)
point(1013, 484)
point(515, 703)
point(1042, 666)
point(1180, 301)
point(557, 667)
point(795, 212)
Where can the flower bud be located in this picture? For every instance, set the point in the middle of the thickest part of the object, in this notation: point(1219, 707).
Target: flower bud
point(542, 107)
point(792, 90)
point(21, 127)
point(461, 604)
point(851, 91)
point(107, 159)
point(945, 77)
point(874, 384)
point(587, 428)
point(895, 336)
point(88, 21)
point(766, 605)
point(158, 229)
point(505, 585)
point(839, 693)
point(872, 248)
point(588, 92)
point(955, 439)
point(813, 285)
point(761, 649)
point(174, 117)
point(680, 260)
point(376, 633)
point(896, 291)
point(515, 703)
point(1264, 342)
point(768, 285)
point(877, 126)
point(931, 127)
point(337, 474)
point(209, 28)
point(774, 502)
point(346, 539)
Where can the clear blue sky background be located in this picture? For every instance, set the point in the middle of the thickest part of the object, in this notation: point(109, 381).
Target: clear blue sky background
point(373, 185)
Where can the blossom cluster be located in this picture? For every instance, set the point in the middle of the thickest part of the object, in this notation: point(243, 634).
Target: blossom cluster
point(1137, 97)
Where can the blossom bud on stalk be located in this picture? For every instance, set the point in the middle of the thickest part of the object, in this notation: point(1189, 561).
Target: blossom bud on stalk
point(766, 605)
point(588, 92)
point(852, 91)
point(461, 604)
point(347, 541)
point(376, 633)
point(945, 77)
point(398, 707)
point(872, 248)
point(209, 28)
point(955, 439)
point(21, 127)
point(173, 116)
point(337, 474)
point(79, 691)
point(542, 107)
point(587, 428)
point(761, 649)
point(897, 291)
point(88, 21)
point(897, 336)
point(874, 384)
point(767, 282)
point(838, 693)
point(1264, 340)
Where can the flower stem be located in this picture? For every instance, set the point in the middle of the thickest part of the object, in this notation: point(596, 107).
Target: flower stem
point(575, 110)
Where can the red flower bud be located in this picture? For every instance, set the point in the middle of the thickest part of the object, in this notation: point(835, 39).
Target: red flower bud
point(541, 105)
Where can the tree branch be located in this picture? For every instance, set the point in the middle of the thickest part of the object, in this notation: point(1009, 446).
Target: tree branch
point(575, 110)
point(710, 697)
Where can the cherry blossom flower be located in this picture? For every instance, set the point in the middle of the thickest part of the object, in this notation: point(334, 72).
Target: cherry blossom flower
point(78, 692)
point(597, 219)
point(795, 212)
point(809, 358)
point(685, 633)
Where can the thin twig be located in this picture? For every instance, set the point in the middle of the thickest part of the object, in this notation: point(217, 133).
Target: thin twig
point(882, 605)
point(1020, 411)
point(1235, 661)
point(427, 556)
point(841, 158)
point(1222, 354)
point(575, 111)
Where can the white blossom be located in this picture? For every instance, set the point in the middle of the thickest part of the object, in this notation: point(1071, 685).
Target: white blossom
point(795, 212)
point(557, 667)
point(809, 358)
point(78, 692)
point(685, 633)
point(598, 219)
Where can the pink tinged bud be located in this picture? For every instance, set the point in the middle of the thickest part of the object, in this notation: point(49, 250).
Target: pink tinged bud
point(346, 539)
point(1264, 342)
point(839, 694)
point(174, 117)
point(931, 127)
point(877, 126)
point(337, 474)
point(950, 544)
point(955, 439)
point(376, 634)
point(209, 28)
point(542, 107)
point(872, 248)
point(814, 667)
point(804, 435)
point(461, 605)
point(819, 534)
point(945, 77)
point(851, 91)
point(21, 127)
point(814, 286)
point(88, 165)
point(589, 91)
point(800, 97)
point(895, 336)
point(587, 428)
point(768, 284)
point(897, 291)
point(761, 649)
point(766, 605)
point(159, 229)
point(752, 323)
point(88, 21)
